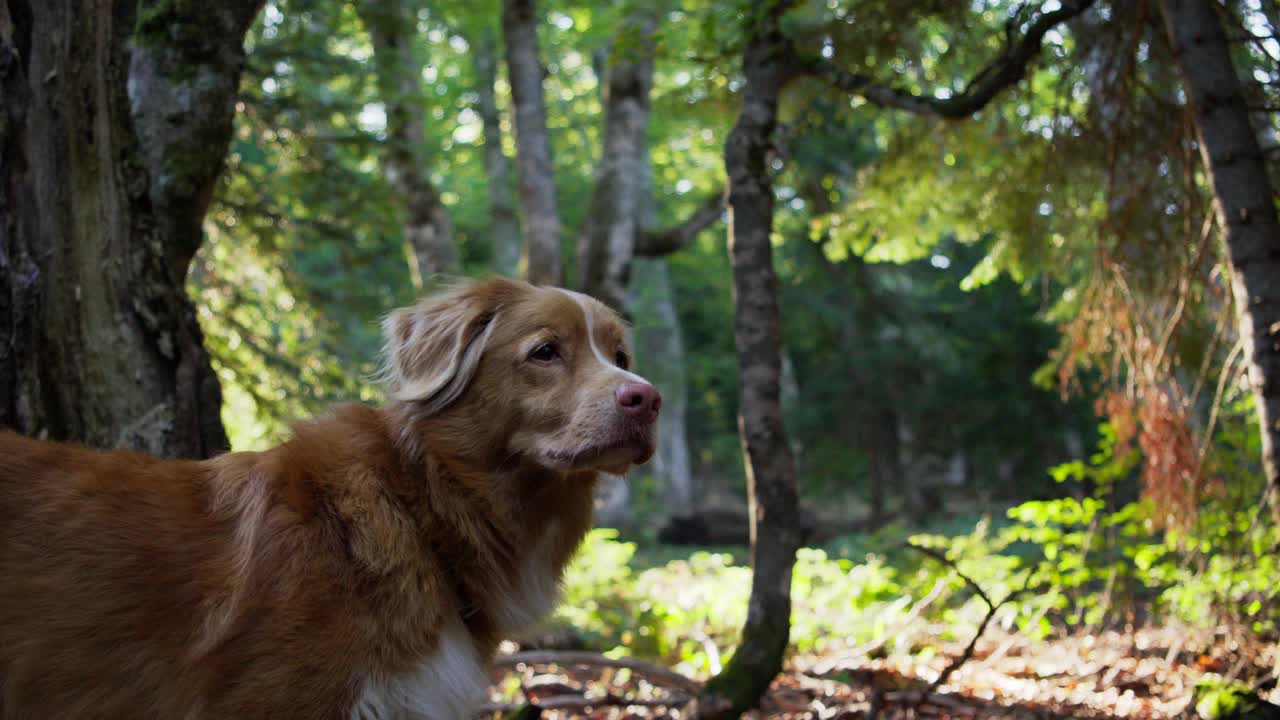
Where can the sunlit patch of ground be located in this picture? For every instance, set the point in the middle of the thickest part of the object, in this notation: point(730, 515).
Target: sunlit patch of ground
point(1147, 674)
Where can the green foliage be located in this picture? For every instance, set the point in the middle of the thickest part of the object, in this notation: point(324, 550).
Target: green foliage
point(1217, 698)
point(305, 253)
point(690, 610)
point(1092, 555)
point(937, 282)
point(1090, 560)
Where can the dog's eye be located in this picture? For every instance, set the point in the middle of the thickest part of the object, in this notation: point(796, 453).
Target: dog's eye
point(546, 352)
point(621, 360)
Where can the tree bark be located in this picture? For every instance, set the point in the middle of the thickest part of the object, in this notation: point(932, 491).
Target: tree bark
point(539, 210)
point(660, 351)
point(658, 243)
point(116, 119)
point(1244, 202)
point(660, 347)
point(392, 25)
point(771, 472)
point(607, 242)
point(621, 195)
point(1006, 70)
point(769, 62)
point(502, 206)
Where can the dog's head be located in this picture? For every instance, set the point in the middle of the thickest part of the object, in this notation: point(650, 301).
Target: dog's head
point(535, 373)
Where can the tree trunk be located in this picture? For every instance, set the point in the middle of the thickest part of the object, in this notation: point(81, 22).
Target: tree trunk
point(621, 195)
point(660, 347)
point(771, 473)
point(539, 212)
point(607, 242)
point(885, 461)
point(502, 206)
point(116, 119)
point(1244, 202)
point(874, 420)
point(660, 351)
point(392, 25)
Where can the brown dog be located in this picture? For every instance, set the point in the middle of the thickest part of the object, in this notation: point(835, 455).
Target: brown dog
point(366, 568)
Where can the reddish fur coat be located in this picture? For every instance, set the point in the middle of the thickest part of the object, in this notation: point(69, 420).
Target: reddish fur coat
point(321, 578)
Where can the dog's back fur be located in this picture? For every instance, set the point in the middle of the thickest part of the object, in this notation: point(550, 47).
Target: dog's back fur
point(367, 566)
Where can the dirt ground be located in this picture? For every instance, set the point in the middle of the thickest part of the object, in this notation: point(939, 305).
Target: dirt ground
point(1144, 674)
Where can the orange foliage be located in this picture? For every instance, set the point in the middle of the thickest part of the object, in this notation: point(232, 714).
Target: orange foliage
point(1141, 395)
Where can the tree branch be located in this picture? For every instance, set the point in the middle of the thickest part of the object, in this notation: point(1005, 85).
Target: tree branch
point(677, 237)
point(651, 671)
point(942, 558)
point(1002, 72)
point(969, 649)
point(582, 702)
point(992, 608)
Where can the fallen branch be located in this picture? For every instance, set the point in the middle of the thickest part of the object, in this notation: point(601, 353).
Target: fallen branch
point(521, 712)
point(579, 702)
point(651, 671)
point(925, 697)
point(877, 703)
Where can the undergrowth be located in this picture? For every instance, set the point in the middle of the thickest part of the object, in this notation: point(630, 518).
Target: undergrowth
point(1088, 561)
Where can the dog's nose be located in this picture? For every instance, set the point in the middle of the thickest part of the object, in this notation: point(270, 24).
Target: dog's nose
point(640, 400)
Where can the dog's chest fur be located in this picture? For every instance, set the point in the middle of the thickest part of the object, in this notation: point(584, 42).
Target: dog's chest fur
point(447, 685)
point(451, 682)
point(534, 590)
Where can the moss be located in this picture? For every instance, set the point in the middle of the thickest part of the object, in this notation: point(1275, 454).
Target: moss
point(157, 20)
point(183, 122)
point(183, 30)
point(750, 671)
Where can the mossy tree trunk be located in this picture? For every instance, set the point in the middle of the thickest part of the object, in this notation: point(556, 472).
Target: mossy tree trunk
point(771, 471)
point(115, 118)
point(769, 63)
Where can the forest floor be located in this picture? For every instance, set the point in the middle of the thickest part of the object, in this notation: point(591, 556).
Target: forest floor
point(1149, 673)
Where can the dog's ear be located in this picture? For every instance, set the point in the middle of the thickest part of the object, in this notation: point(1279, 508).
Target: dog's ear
point(433, 348)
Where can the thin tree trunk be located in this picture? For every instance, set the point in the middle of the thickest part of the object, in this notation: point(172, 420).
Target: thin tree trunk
point(662, 339)
point(1245, 204)
point(876, 479)
point(115, 121)
point(771, 472)
point(539, 211)
point(607, 241)
point(621, 195)
point(660, 350)
point(392, 26)
point(502, 205)
point(886, 461)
